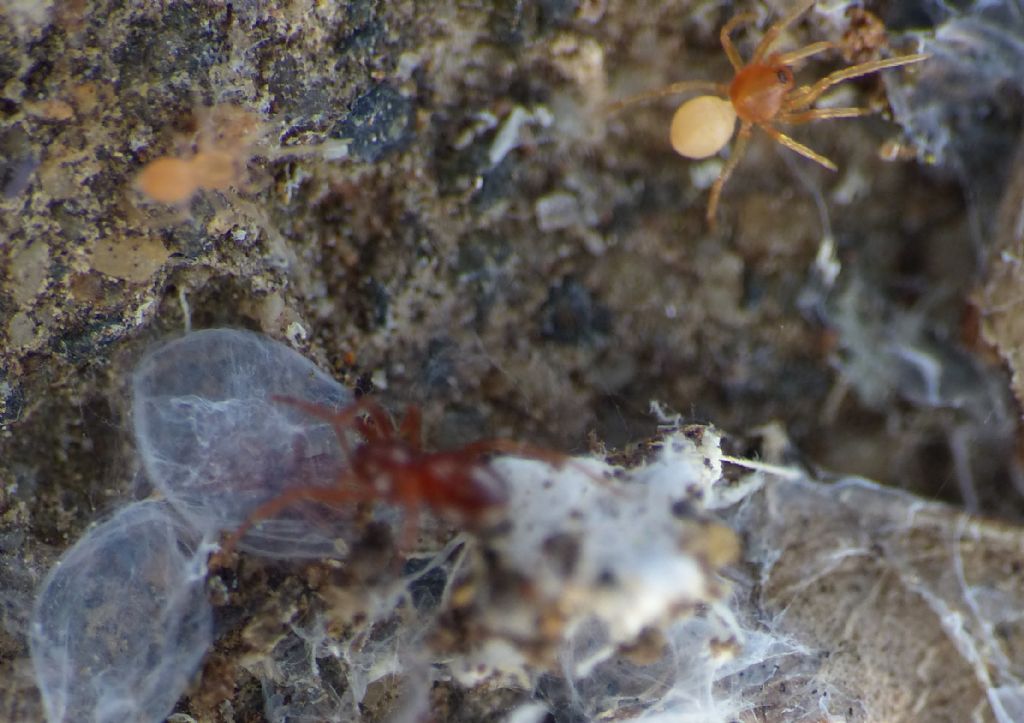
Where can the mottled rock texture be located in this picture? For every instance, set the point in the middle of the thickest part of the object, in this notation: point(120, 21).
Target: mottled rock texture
point(437, 209)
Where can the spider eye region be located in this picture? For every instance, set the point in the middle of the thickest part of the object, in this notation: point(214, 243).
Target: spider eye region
point(702, 126)
point(758, 91)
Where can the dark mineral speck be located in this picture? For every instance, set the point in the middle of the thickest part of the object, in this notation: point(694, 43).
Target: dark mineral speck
point(497, 183)
point(373, 311)
point(296, 96)
point(17, 161)
point(564, 549)
point(438, 370)
point(515, 22)
point(428, 588)
point(379, 123)
point(182, 46)
point(571, 315)
point(12, 401)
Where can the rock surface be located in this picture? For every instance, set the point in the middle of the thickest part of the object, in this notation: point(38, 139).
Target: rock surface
point(428, 200)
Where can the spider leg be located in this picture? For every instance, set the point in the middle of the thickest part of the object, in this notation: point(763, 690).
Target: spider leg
point(337, 419)
point(773, 32)
point(822, 114)
point(803, 97)
point(738, 149)
point(343, 420)
point(673, 89)
point(799, 148)
point(727, 46)
point(805, 52)
point(307, 493)
point(380, 418)
point(410, 499)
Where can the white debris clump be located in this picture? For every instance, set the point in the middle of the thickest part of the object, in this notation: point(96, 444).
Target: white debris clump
point(610, 560)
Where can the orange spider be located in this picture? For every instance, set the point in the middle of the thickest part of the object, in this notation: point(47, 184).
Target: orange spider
point(390, 465)
point(762, 93)
point(225, 141)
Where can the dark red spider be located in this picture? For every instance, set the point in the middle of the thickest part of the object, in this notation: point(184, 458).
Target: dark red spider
point(391, 466)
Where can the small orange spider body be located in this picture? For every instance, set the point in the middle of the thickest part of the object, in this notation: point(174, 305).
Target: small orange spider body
point(759, 90)
point(763, 93)
point(225, 140)
point(391, 466)
point(168, 180)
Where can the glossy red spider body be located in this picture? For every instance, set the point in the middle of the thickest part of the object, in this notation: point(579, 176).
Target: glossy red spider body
point(759, 91)
point(391, 466)
point(394, 468)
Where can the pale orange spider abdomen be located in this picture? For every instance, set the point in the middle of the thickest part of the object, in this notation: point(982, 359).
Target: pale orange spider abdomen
point(702, 126)
point(759, 90)
point(168, 180)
